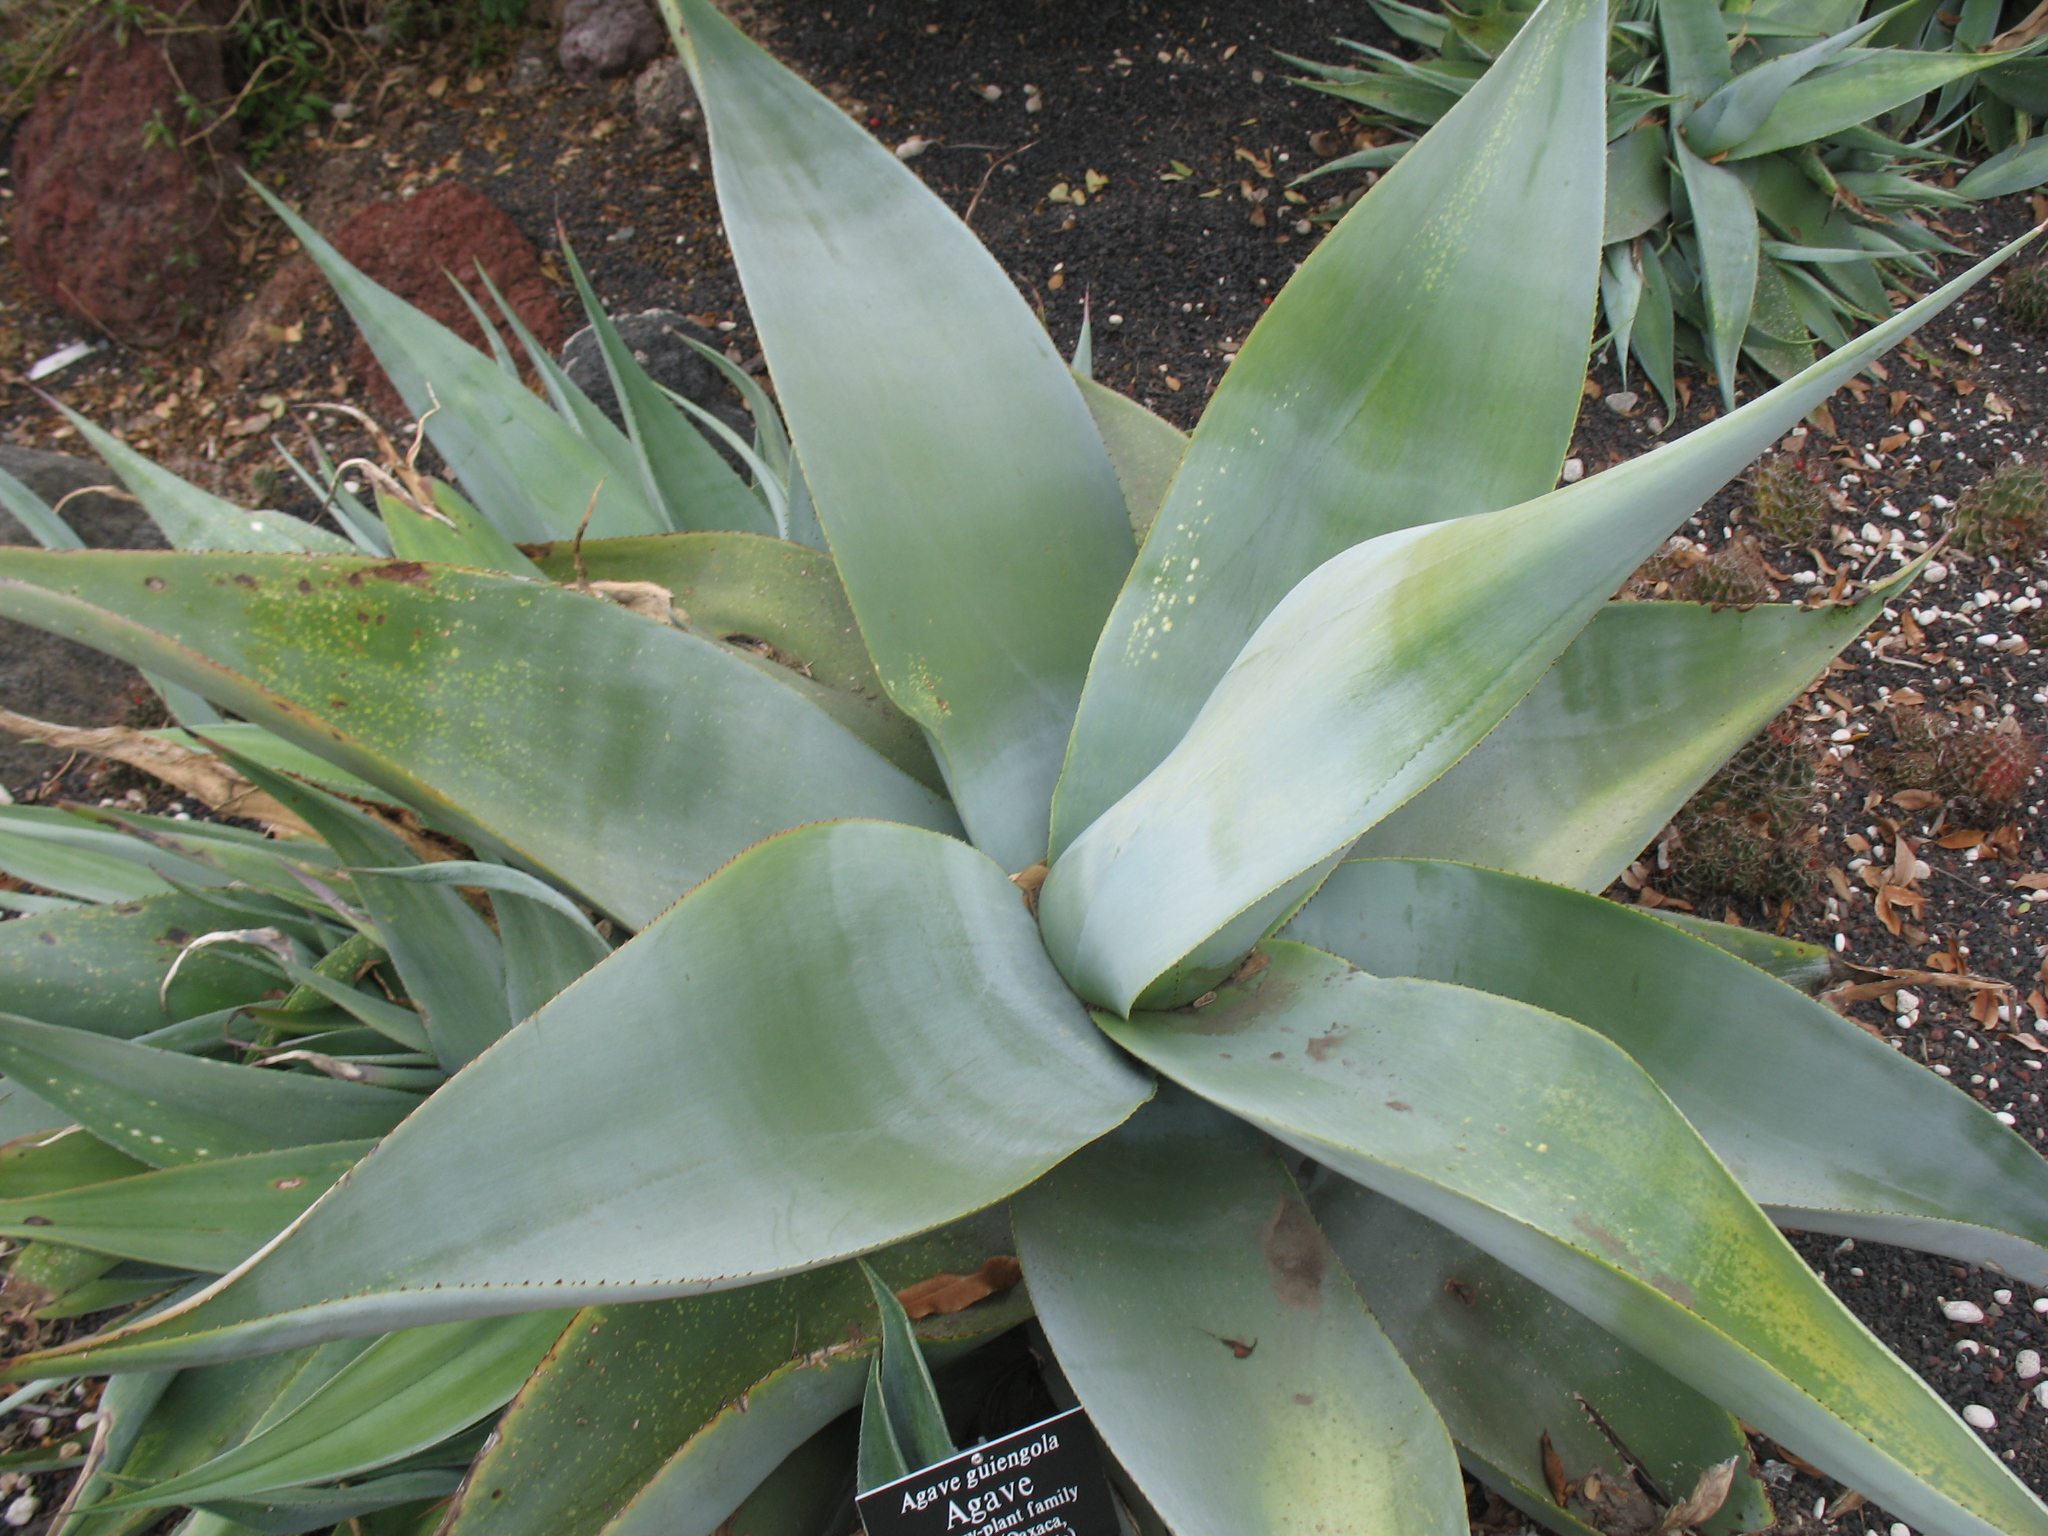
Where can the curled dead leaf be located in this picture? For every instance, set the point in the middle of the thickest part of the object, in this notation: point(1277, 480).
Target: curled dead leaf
point(1705, 1500)
point(199, 774)
point(1916, 799)
point(947, 1293)
point(1028, 881)
point(648, 599)
point(1553, 1473)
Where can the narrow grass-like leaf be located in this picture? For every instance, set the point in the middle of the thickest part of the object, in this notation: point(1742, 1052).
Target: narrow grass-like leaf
point(194, 519)
point(1375, 675)
point(1739, 107)
point(1330, 429)
point(202, 1216)
point(169, 1109)
point(67, 1159)
point(966, 494)
point(1695, 42)
point(685, 477)
point(459, 536)
point(357, 520)
point(785, 1112)
point(1580, 1174)
point(1801, 1104)
point(1792, 961)
point(2018, 169)
point(345, 1506)
point(1638, 186)
point(1867, 83)
point(36, 515)
point(1724, 224)
point(401, 1395)
point(101, 968)
point(1511, 1367)
point(879, 1458)
point(566, 754)
point(747, 590)
point(908, 1399)
point(1145, 449)
point(402, 1025)
point(451, 963)
point(1641, 709)
point(1216, 1343)
point(274, 752)
point(658, 1417)
point(527, 470)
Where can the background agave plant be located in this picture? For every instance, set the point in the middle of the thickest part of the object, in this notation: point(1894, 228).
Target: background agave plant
point(1772, 169)
point(1343, 1136)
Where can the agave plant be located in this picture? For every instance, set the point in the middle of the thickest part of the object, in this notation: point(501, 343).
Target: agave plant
point(995, 826)
point(1760, 201)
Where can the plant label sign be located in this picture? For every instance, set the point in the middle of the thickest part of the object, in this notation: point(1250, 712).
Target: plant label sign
point(1041, 1481)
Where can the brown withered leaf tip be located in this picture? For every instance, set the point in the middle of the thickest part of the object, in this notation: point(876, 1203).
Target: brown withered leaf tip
point(945, 1293)
point(1705, 1500)
point(1028, 881)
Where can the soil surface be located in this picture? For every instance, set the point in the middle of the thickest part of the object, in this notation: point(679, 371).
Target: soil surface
point(1179, 130)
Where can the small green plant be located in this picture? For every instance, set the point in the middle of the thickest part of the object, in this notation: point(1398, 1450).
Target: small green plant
point(1739, 834)
point(281, 56)
point(2005, 513)
point(1787, 501)
point(997, 833)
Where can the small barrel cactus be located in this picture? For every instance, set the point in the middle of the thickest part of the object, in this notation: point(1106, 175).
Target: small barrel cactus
point(1786, 501)
point(1740, 832)
point(1991, 766)
point(2006, 513)
point(2024, 297)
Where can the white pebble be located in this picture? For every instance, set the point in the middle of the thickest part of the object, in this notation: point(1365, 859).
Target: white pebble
point(2041, 1303)
point(2041, 1394)
point(1936, 571)
point(1962, 1311)
point(2004, 1118)
point(2027, 1364)
point(87, 1419)
point(22, 1510)
point(1574, 471)
point(1901, 1530)
point(2003, 1298)
point(1977, 1416)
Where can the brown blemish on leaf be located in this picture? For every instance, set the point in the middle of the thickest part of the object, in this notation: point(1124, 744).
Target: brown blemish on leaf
point(1676, 1289)
point(1615, 1248)
point(1237, 1008)
point(1306, 1399)
point(1253, 964)
point(1241, 1348)
point(154, 583)
point(241, 579)
point(1462, 1290)
point(1295, 1255)
point(407, 572)
point(1399, 1108)
point(1319, 1049)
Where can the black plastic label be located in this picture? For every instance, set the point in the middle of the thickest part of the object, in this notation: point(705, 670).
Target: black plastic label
point(1042, 1481)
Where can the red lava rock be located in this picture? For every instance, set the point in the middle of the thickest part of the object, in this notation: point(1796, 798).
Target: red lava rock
point(603, 39)
point(410, 245)
point(112, 224)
